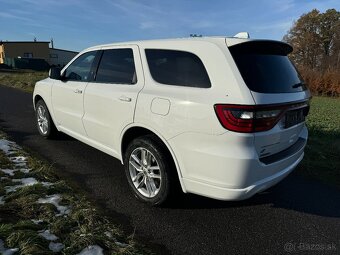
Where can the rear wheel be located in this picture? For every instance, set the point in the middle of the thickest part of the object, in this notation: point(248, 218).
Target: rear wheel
point(148, 170)
point(44, 121)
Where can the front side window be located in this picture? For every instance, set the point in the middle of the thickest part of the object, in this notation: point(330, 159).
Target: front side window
point(117, 66)
point(80, 69)
point(179, 68)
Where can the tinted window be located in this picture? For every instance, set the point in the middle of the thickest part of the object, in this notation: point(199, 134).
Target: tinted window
point(177, 68)
point(117, 66)
point(80, 68)
point(265, 67)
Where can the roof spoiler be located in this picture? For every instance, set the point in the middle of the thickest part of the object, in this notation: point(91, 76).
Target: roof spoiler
point(262, 47)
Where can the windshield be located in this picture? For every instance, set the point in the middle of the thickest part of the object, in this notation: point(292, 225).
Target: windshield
point(265, 67)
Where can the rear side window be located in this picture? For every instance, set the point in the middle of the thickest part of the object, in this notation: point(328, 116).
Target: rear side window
point(179, 68)
point(265, 67)
point(117, 66)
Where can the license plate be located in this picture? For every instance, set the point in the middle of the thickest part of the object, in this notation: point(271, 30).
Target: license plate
point(294, 117)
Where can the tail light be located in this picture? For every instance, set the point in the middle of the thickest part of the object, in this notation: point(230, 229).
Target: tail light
point(253, 118)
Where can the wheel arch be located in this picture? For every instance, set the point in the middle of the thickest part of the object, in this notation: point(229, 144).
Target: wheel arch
point(36, 98)
point(133, 131)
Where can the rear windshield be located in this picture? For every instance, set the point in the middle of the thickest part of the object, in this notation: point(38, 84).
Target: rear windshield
point(265, 67)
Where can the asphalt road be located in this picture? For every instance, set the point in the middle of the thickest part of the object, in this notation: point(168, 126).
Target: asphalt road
point(297, 215)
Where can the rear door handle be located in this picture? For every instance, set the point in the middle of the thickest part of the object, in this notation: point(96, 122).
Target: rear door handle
point(125, 99)
point(78, 91)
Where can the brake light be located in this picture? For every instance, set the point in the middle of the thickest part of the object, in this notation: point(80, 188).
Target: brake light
point(249, 118)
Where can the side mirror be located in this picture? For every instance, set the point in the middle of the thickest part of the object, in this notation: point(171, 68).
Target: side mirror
point(54, 73)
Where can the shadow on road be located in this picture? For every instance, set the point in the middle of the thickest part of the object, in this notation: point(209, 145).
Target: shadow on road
point(293, 193)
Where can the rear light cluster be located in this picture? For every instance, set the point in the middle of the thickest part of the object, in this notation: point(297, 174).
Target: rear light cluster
point(253, 118)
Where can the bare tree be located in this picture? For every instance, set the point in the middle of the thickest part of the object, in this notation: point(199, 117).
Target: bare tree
point(315, 37)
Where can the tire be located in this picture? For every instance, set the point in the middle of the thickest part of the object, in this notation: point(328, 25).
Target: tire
point(44, 121)
point(156, 166)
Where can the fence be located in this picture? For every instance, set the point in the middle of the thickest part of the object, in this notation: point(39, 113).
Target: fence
point(27, 63)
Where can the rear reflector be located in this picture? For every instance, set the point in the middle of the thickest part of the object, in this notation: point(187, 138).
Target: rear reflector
point(253, 118)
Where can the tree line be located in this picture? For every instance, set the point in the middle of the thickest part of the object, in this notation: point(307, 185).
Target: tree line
point(315, 37)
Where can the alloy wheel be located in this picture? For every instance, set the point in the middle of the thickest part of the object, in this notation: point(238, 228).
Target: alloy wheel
point(145, 172)
point(42, 119)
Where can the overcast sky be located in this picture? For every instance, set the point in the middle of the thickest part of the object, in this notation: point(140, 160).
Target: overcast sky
point(77, 24)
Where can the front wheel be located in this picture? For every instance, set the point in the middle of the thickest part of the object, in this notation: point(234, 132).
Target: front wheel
point(148, 170)
point(44, 121)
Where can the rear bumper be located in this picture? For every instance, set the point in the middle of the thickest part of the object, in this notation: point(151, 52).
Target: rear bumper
point(227, 167)
point(238, 194)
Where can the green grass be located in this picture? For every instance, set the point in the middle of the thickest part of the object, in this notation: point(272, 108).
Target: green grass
point(21, 79)
point(85, 224)
point(322, 158)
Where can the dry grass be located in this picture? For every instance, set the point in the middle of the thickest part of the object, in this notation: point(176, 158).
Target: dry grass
point(83, 226)
point(21, 79)
point(322, 83)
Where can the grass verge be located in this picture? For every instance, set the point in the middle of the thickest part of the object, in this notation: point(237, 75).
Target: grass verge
point(21, 79)
point(322, 154)
point(42, 214)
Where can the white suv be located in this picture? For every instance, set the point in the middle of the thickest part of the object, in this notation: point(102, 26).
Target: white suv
point(222, 117)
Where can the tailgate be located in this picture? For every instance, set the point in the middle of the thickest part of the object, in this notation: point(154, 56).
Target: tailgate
point(286, 132)
point(273, 81)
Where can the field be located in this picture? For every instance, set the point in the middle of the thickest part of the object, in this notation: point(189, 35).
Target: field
point(322, 158)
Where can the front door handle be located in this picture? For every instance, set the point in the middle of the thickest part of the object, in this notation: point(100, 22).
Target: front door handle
point(125, 99)
point(78, 91)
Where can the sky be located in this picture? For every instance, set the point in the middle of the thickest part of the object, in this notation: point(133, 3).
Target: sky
point(78, 24)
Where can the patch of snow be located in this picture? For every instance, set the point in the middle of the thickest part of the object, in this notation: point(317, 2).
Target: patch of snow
point(24, 182)
point(25, 170)
point(92, 250)
point(55, 247)
point(123, 245)
point(54, 200)
point(5, 145)
point(48, 235)
point(46, 184)
point(5, 251)
point(18, 159)
point(10, 189)
point(4, 178)
point(10, 172)
point(17, 165)
point(2, 201)
point(37, 221)
point(108, 234)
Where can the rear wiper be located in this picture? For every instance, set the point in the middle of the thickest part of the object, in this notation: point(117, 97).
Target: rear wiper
point(300, 84)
